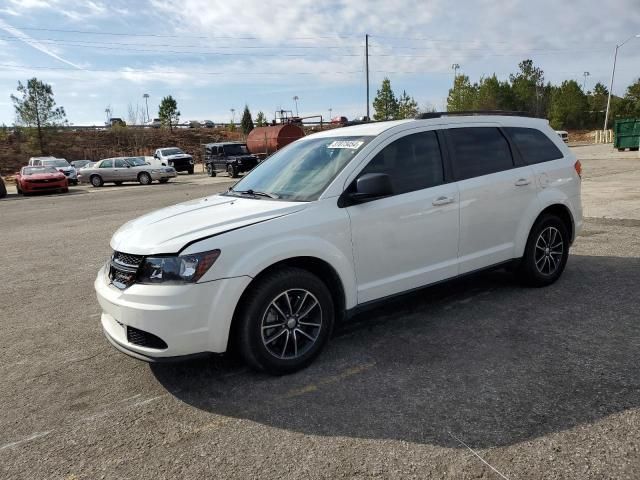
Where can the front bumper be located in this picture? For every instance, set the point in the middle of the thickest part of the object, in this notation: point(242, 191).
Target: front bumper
point(190, 319)
point(31, 187)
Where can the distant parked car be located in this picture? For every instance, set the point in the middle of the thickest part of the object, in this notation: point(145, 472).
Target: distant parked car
point(117, 122)
point(340, 120)
point(78, 164)
point(207, 124)
point(563, 135)
point(40, 179)
point(59, 164)
point(230, 157)
point(125, 169)
point(194, 124)
point(3, 189)
point(176, 158)
point(155, 123)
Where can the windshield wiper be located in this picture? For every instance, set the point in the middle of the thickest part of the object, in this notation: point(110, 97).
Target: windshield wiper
point(254, 193)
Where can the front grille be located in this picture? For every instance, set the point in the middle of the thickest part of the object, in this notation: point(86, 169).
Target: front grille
point(123, 269)
point(43, 180)
point(144, 339)
point(67, 173)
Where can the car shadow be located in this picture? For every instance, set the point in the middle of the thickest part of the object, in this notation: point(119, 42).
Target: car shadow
point(483, 358)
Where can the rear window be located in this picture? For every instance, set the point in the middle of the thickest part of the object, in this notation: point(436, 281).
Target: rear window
point(533, 145)
point(479, 151)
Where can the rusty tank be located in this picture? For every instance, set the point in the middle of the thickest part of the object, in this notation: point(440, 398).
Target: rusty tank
point(263, 141)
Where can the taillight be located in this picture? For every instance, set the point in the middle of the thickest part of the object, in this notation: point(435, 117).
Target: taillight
point(578, 167)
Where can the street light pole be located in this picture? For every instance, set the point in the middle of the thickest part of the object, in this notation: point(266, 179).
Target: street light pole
point(584, 83)
point(455, 67)
point(613, 74)
point(295, 99)
point(146, 98)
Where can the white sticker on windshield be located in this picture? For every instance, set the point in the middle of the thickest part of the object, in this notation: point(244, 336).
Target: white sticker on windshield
point(352, 144)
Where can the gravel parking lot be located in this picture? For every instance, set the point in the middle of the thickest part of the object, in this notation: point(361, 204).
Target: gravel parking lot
point(538, 383)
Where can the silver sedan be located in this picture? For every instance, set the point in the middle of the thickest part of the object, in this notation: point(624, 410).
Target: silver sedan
point(124, 169)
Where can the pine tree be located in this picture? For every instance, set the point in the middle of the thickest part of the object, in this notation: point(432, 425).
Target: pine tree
point(407, 106)
point(385, 103)
point(168, 112)
point(247, 121)
point(36, 108)
point(261, 120)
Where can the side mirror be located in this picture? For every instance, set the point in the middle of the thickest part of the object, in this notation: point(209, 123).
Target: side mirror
point(155, 155)
point(128, 166)
point(369, 186)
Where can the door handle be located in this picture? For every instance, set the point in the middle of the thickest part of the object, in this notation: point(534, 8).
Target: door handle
point(522, 182)
point(442, 201)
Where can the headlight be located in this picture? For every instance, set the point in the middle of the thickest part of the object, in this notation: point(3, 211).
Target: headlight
point(176, 269)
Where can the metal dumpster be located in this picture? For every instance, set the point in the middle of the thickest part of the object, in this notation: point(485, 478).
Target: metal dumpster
point(626, 133)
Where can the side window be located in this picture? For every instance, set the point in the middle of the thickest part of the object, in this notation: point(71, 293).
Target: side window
point(534, 146)
point(120, 163)
point(479, 151)
point(106, 164)
point(413, 162)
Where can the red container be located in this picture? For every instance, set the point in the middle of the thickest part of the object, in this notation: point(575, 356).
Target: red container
point(266, 140)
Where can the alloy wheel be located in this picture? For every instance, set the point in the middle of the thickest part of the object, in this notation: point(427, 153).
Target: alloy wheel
point(549, 251)
point(291, 324)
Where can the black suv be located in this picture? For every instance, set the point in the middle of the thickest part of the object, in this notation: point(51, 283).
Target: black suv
point(231, 157)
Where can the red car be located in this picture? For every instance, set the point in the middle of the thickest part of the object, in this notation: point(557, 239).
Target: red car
point(40, 179)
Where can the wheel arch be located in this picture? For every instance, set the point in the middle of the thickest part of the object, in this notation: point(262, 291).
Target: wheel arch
point(561, 211)
point(318, 267)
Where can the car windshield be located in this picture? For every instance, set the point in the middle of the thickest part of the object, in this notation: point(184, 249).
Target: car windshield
point(136, 161)
point(37, 170)
point(58, 162)
point(301, 171)
point(172, 151)
point(236, 150)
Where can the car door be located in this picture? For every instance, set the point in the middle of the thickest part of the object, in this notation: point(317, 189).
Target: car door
point(495, 192)
point(106, 170)
point(121, 170)
point(409, 238)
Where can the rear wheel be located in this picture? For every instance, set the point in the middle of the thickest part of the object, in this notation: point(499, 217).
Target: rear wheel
point(96, 180)
point(285, 320)
point(232, 171)
point(144, 178)
point(634, 149)
point(546, 252)
point(210, 170)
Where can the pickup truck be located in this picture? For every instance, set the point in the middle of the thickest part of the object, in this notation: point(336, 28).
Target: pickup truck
point(176, 158)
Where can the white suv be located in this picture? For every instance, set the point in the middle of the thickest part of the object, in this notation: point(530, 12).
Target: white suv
point(332, 222)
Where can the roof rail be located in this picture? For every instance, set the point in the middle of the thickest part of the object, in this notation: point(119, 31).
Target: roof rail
point(424, 116)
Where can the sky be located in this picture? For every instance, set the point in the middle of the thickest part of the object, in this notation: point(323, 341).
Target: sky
point(213, 56)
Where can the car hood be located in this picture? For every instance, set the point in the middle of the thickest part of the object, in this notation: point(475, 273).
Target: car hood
point(168, 230)
point(42, 176)
point(64, 169)
point(177, 156)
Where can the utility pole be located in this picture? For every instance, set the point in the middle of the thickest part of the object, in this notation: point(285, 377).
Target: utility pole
point(366, 67)
point(146, 98)
point(613, 74)
point(584, 82)
point(330, 110)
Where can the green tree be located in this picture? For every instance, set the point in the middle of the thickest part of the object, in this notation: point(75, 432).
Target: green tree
point(528, 88)
point(493, 94)
point(35, 107)
point(632, 99)
point(568, 106)
point(247, 121)
point(168, 112)
point(385, 103)
point(597, 100)
point(261, 119)
point(462, 96)
point(407, 106)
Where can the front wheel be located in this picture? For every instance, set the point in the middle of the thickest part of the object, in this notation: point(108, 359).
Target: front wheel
point(232, 171)
point(96, 180)
point(163, 180)
point(144, 178)
point(211, 170)
point(546, 253)
point(285, 321)
point(190, 171)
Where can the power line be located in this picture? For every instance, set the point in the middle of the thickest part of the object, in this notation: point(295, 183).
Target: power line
point(123, 34)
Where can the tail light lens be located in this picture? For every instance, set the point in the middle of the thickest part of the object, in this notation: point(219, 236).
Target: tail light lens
point(578, 167)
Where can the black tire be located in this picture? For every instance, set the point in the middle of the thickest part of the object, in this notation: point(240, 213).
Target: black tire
point(3, 189)
point(621, 149)
point(74, 182)
point(257, 345)
point(18, 191)
point(65, 190)
point(634, 149)
point(96, 180)
point(118, 183)
point(144, 178)
point(211, 170)
point(190, 171)
point(232, 171)
point(163, 180)
point(540, 266)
